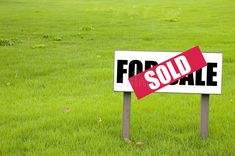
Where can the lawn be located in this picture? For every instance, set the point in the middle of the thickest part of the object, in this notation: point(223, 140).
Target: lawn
point(56, 77)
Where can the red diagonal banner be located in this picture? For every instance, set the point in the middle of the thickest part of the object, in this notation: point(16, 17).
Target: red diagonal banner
point(167, 72)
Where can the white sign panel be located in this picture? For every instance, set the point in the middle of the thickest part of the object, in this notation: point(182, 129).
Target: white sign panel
point(204, 81)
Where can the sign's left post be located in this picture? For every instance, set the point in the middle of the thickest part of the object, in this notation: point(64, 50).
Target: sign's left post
point(126, 115)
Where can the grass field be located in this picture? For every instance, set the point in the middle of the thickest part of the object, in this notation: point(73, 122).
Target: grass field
point(56, 77)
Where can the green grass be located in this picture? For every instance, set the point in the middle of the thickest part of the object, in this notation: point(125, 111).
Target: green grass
point(56, 77)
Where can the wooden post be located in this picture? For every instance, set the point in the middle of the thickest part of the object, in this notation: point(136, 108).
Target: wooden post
point(126, 115)
point(204, 115)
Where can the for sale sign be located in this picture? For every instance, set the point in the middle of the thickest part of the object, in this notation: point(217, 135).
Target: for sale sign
point(173, 72)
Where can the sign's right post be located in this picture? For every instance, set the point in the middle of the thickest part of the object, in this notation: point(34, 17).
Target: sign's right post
point(204, 115)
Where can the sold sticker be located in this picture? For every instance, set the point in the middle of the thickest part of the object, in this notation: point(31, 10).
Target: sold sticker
point(167, 72)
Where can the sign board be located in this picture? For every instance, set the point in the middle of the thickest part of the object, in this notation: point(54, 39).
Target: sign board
point(207, 80)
